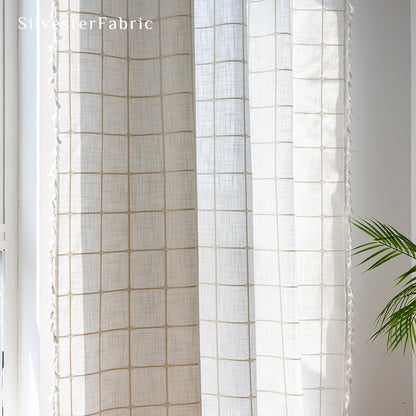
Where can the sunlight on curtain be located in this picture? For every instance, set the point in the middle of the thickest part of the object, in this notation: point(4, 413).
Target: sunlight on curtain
point(298, 152)
point(127, 304)
point(271, 207)
point(201, 215)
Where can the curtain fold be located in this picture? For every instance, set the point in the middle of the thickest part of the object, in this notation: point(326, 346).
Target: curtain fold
point(299, 149)
point(200, 264)
point(225, 223)
point(127, 253)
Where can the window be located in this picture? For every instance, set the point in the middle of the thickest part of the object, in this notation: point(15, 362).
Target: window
point(8, 202)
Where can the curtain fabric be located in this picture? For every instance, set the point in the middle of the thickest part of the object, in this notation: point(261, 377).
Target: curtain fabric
point(200, 260)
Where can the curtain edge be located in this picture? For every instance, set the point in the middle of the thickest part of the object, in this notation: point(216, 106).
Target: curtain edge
point(54, 209)
point(349, 12)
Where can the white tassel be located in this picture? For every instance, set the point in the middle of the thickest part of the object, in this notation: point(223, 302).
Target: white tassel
point(348, 118)
point(54, 205)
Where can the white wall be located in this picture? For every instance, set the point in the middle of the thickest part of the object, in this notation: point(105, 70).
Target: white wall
point(413, 151)
point(381, 183)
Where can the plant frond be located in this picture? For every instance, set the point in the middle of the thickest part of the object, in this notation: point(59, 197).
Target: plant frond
point(404, 276)
point(384, 259)
point(373, 255)
point(386, 235)
point(397, 321)
point(399, 327)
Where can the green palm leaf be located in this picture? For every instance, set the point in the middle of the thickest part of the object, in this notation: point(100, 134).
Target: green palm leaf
point(397, 320)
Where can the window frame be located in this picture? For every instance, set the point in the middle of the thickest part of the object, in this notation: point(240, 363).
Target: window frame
point(9, 155)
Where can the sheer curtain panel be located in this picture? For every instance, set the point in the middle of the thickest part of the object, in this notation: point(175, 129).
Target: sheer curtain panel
point(200, 257)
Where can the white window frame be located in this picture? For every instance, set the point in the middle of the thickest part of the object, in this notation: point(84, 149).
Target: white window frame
point(9, 143)
point(34, 347)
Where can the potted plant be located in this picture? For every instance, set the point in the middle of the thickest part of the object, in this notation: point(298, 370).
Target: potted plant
point(397, 320)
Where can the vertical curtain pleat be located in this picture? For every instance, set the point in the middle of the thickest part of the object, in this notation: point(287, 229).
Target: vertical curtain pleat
point(279, 375)
point(224, 208)
point(201, 214)
point(299, 191)
point(320, 207)
point(127, 269)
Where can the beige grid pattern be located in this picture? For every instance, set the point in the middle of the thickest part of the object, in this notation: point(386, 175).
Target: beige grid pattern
point(298, 150)
point(127, 296)
point(271, 210)
point(224, 208)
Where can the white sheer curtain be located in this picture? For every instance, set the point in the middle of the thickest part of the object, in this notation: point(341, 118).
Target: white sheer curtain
point(201, 242)
point(271, 206)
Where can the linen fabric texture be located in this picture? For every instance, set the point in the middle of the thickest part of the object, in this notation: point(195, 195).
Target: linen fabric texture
point(201, 254)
